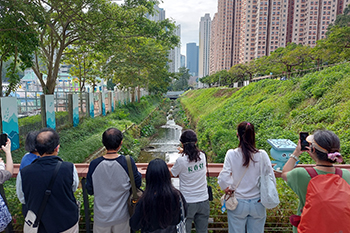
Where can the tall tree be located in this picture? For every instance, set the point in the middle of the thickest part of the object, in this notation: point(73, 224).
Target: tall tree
point(18, 41)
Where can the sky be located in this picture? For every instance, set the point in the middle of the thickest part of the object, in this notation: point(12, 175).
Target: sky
point(188, 13)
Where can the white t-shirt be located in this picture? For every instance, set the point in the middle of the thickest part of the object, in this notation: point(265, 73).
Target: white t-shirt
point(233, 170)
point(192, 175)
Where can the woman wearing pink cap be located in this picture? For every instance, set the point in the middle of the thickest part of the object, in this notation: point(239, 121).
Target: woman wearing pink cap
point(323, 148)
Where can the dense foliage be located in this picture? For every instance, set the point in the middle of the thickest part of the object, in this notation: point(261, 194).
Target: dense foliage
point(278, 109)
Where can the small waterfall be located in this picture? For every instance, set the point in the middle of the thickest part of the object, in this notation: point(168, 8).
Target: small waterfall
point(165, 145)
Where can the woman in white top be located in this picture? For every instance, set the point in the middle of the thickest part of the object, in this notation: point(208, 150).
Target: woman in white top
point(191, 169)
point(243, 163)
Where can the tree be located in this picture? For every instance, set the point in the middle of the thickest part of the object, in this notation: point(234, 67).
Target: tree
point(181, 80)
point(321, 54)
point(238, 72)
point(290, 57)
point(17, 43)
point(99, 23)
point(338, 40)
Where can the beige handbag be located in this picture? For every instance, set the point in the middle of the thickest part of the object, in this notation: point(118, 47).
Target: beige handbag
point(230, 201)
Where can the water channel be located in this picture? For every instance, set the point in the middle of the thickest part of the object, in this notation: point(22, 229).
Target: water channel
point(164, 145)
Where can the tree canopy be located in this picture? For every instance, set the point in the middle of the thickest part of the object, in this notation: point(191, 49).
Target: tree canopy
point(119, 32)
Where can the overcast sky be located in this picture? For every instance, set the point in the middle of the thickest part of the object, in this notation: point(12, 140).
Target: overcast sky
point(188, 13)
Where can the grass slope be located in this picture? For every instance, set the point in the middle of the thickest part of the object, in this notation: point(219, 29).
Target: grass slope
point(278, 109)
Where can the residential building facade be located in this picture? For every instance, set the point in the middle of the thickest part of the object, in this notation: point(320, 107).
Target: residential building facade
point(204, 46)
point(248, 29)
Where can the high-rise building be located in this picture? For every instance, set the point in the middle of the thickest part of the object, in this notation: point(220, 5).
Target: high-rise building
point(204, 46)
point(183, 61)
point(192, 58)
point(248, 29)
point(175, 54)
point(159, 14)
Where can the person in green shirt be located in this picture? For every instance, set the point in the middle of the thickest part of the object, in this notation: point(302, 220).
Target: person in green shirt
point(323, 148)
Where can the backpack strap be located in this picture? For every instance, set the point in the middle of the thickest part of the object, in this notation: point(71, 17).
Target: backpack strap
point(312, 172)
point(339, 172)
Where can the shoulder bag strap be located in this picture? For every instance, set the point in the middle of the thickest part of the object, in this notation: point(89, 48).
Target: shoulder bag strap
point(241, 178)
point(206, 162)
point(47, 194)
point(131, 176)
point(312, 172)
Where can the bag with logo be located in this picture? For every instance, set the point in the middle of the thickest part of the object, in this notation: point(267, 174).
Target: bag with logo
point(5, 216)
point(327, 204)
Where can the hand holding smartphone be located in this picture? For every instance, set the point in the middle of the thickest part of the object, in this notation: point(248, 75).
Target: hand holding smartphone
point(3, 139)
point(303, 142)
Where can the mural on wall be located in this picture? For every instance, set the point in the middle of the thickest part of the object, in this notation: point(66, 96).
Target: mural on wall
point(103, 101)
point(91, 104)
point(9, 117)
point(113, 101)
point(50, 111)
point(75, 110)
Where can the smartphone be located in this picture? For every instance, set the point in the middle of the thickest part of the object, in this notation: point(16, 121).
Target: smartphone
point(3, 139)
point(303, 142)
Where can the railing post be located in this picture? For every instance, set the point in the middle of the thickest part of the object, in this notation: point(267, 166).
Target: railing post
point(86, 206)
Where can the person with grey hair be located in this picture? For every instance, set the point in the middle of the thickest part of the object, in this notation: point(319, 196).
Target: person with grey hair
point(324, 147)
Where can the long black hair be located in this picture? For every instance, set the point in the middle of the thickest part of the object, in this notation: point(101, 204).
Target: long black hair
point(159, 194)
point(246, 136)
point(189, 139)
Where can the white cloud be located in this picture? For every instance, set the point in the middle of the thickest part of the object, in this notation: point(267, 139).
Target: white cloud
point(188, 13)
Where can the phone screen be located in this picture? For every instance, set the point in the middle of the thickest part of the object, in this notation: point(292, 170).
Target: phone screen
point(303, 142)
point(3, 139)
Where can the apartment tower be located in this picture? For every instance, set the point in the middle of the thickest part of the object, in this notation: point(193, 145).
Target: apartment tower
point(204, 46)
point(259, 27)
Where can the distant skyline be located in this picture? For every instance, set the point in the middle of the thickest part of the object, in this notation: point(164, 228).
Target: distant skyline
point(188, 13)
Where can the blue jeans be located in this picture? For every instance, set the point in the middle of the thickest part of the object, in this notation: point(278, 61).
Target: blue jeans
point(199, 213)
point(249, 214)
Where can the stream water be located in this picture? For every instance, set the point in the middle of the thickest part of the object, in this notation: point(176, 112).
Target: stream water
point(164, 145)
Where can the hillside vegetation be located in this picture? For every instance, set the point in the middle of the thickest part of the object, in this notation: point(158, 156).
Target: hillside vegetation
point(278, 109)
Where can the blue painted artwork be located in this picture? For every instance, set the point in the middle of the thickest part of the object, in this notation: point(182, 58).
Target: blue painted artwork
point(75, 110)
point(103, 104)
point(10, 120)
point(50, 111)
point(91, 104)
point(113, 102)
point(280, 151)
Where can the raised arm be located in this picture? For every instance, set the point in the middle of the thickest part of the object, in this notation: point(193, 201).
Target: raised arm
point(293, 158)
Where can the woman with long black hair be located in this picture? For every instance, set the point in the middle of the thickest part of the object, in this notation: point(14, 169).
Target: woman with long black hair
point(159, 208)
point(242, 168)
point(191, 169)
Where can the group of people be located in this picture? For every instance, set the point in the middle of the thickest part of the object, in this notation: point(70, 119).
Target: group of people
point(160, 207)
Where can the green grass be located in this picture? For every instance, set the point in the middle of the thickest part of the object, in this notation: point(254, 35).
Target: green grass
point(278, 109)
